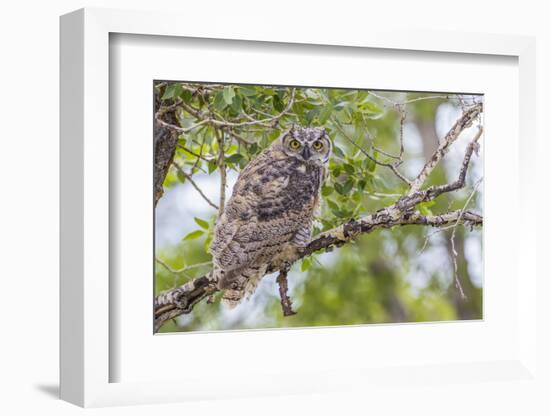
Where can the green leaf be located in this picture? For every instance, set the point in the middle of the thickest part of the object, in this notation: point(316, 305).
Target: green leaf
point(370, 107)
point(349, 168)
point(228, 94)
point(424, 207)
point(253, 149)
point(237, 104)
point(370, 165)
point(325, 114)
point(306, 264)
point(186, 96)
point(236, 158)
point(219, 101)
point(332, 205)
point(340, 106)
point(247, 91)
point(310, 115)
point(212, 166)
point(347, 186)
point(278, 103)
point(202, 223)
point(182, 178)
point(340, 214)
point(208, 240)
point(193, 235)
point(233, 148)
point(171, 91)
point(339, 188)
point(326, 190)
point(338, 152)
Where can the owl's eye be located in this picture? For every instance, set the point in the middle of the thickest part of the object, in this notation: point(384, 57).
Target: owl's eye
point(317, 145)
point(295, 144)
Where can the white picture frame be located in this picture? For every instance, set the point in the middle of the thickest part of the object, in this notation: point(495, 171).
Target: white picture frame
point(86, 305)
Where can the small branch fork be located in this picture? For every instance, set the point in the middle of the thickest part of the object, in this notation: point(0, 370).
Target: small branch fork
point(182, 299)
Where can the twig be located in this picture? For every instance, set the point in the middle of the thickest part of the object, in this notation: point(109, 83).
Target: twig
point(392, 166)
point(238, 137)
point(286, 303)
point(183, 269)
point(223, 172)
point(182, 129)
point(430, 235)
point(199, 190)
point(453, 234)
point(199, 156)
point(459, 183)
point(412, 100)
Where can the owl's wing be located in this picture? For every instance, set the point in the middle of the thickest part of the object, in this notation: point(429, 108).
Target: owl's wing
point(259, 217)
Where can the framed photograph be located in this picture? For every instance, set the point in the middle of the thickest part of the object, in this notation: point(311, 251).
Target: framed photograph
point(291, 195)
point(251, 179)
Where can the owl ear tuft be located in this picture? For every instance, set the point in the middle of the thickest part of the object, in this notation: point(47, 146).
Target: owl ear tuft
point(285, 135)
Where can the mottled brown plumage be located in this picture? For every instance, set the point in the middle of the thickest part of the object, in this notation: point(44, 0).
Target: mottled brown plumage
point(269, 216)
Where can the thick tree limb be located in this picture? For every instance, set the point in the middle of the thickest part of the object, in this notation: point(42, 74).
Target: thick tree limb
point(182, 299)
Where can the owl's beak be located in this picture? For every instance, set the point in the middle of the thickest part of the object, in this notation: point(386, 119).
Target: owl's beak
point(306, 153)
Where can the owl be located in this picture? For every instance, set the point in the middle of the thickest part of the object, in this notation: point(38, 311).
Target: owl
point(268, 218)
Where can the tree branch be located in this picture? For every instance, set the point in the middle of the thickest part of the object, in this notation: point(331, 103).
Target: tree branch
point(194, 184)
point(182, 299)
point(165, 141)
point(286, 303)
point(222, 168)
point(465, 121)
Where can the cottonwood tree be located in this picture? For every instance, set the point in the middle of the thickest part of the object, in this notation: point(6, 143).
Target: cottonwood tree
point(209, 129)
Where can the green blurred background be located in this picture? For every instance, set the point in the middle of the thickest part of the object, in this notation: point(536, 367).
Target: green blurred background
point(403, 274)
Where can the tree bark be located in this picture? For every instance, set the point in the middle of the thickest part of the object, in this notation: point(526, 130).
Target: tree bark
point(165, 142)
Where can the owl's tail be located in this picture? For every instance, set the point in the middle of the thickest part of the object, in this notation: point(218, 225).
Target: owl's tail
point(239, 285)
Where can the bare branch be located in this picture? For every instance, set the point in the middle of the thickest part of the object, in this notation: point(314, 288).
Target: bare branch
point(435, 191)
point(453, 234)
point(238, 137)
point(183, 269)
point(193, 183)
point(222, 168)
point(460, 125)
point(197, 155)
point(286, 303)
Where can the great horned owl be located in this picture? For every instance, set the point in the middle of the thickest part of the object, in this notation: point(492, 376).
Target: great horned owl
point(268, 218)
